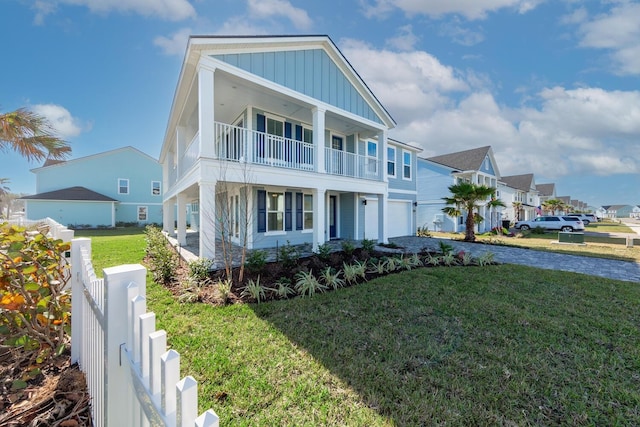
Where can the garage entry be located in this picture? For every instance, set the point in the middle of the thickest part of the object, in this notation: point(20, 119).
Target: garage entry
point(399, 218)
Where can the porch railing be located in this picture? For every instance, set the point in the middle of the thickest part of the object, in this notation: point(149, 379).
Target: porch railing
point(243, 145)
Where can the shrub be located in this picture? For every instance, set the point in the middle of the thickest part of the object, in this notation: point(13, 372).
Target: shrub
point(256, 260)
point(35, 308)
point(348, 247)
point(354, 272)
point(368, 245)
point(486, 259)
point(445, 248)
point(163, 259)
point(288, 255)
point(199, 268)
point(307, 284)
point(324, 251)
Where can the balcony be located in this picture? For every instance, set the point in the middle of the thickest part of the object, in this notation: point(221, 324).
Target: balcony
point(238, 144)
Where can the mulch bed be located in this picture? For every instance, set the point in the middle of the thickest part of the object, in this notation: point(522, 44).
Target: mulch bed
point(52, 393)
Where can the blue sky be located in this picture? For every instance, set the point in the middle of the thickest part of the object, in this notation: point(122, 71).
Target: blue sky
point(553, 86)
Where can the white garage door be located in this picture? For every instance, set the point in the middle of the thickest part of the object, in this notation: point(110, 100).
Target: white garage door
point(371, 219)
point(399, 219)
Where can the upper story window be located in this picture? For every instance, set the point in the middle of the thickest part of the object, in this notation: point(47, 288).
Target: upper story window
point(155, 188)
point(406, 165)
point(308, 212)
point(123, 186)
point(391, 162)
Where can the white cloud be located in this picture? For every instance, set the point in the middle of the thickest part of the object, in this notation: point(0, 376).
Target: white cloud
point(405, 40)
point(261, 9)
point(617, 31)
point(470, 9)
point(559, 132)
point(62, 122)
point(176, 44)
point(461, 35)
point(171, 10)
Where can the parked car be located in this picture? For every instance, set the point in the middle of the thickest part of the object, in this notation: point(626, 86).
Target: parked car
point(553, 222)
point(586, 218)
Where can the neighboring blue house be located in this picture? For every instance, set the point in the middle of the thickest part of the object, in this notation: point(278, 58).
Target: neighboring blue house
point(122, 186)
point(436, 174)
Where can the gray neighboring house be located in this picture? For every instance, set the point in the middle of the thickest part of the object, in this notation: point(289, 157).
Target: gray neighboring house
point(522, 189)
point(436, 174)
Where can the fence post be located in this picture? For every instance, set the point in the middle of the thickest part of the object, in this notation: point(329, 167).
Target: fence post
point(77, 297)
point(116, 281)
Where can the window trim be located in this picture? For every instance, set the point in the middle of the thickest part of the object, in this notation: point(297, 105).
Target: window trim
point(410, 165)
point(127, 185)
point(145, 209)
point(304, 212)
point(371, 160)
point(391, 161)
point(159, 188)
point(269, 232)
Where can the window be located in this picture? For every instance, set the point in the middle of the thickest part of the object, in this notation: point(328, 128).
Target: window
point(275, 211)
point(155, 188)
point(194, 207)
point(307, 135)
point(142, 213)
point(391, 161)
point(308, 212)
point(372, 157)
point(123, 186)
point(406, 165)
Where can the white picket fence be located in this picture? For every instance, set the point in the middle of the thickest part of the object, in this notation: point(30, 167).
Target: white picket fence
point(132, 379)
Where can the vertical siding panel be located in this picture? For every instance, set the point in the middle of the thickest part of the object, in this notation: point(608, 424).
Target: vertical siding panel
point(326, 64)
point(340, 88)
point(269, 66)
point(333, 88)
point(257, 64)
point(317, 74)
point(280, 67)
point(244, 61)
point(300, 71)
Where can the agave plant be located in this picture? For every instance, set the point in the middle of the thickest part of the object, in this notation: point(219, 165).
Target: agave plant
point(415, 260)
point(433, 260)
point(354, 272)
point(486, 259)
point(378, 268)
point(283, 288)
point(254, 290)
point(467, 258)
point(307, 284)
point(393, 264)
point(331, 278)
point(224, 289)
point(449, 259)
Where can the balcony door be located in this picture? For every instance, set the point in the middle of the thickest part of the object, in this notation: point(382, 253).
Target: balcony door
point(337, 155)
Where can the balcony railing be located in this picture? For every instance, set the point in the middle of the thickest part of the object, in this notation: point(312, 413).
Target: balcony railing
point(238, 144)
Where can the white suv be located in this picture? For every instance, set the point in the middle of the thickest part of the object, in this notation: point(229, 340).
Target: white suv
point(553, 222)
point(586, 218)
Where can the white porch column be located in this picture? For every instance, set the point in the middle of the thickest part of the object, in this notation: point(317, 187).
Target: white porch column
point(382, 218)
point(208, 219)
point(206, 115)
point(182, 219)
point(169, 216)
point(248, 136)
point(318, 137)
point(319, 217)
point(180, 147)
point(382, 143)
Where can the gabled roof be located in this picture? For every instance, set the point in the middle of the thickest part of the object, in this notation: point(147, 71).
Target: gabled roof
point(71, 193)
point(546, 189)
point(463, 160)
point(404, 144)
point(520, 182)
point(102, 154)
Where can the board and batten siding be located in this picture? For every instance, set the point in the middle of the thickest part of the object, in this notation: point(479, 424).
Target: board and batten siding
point(311, 72)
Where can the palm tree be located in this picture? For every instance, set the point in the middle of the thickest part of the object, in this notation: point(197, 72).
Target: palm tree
point(30, 135)
point(465, 197)
point(553, 205)
point(517, 207)
point(4, 191)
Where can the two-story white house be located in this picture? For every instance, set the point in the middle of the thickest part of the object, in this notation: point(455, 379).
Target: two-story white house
point(436, 174)
point(520, 195)
point(278, 139)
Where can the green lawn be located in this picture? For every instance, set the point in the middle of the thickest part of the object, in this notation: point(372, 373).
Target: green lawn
point(457, 346)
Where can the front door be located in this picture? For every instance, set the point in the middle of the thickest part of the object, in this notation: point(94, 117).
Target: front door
point(333, 215)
